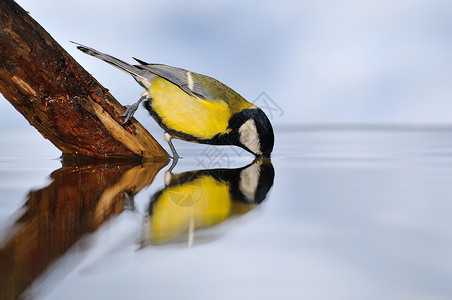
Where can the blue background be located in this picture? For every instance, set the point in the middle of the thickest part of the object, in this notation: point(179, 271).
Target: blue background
point(335, 62)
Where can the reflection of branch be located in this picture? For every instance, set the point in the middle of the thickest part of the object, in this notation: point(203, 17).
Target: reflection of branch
point(77, 201)
point(131, 182)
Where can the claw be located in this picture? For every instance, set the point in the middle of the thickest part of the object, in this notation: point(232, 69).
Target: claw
point(131, 109)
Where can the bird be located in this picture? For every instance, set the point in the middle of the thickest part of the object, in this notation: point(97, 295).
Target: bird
point(195, 107)
point(202, 199)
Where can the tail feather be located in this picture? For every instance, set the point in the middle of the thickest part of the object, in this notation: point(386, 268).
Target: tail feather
point(142, 77)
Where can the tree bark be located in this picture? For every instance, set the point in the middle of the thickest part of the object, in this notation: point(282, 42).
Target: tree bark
point(59, 98)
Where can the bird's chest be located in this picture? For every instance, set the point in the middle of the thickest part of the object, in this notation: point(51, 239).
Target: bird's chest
point(176, 110)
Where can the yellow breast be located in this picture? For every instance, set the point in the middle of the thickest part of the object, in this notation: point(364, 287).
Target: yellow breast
point(179, 111)
point(205, 202)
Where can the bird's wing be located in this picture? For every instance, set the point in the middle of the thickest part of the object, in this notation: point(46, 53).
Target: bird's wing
point(201, 86)
point(194, 84)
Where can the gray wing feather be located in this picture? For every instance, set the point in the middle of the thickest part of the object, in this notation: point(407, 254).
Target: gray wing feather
point(177, 76)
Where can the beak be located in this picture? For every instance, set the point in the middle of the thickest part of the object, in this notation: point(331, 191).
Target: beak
point(263, 158)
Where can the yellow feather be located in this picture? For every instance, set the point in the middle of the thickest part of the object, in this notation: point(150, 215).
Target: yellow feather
point(204, 201)
point(179, 111)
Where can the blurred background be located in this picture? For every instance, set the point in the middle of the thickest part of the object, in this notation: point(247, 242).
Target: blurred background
point(352, 214)
point(320, 62)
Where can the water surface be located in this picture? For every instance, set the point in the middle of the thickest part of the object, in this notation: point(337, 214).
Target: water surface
point(349, 213)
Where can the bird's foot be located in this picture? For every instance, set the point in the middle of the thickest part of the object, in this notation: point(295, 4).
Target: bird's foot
point(129, 203)
point(175, 159)
point(130, 111)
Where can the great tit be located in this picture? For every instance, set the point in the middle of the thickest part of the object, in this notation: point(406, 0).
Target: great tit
point(205, 198)
point(195, 108)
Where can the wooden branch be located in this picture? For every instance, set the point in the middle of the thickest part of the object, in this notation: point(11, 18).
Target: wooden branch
point(58, 97)
point(77, 201)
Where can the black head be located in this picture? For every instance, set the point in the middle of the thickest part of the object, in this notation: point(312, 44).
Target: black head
point(253, 132)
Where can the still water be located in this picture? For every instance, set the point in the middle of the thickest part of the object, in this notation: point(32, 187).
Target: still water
point(338, 213)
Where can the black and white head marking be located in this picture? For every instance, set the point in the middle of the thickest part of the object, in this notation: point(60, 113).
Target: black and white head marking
point(249, 181)
point(249, 136)
point(252, 131)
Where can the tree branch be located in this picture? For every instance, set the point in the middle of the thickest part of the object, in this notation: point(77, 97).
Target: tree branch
point(59, 98)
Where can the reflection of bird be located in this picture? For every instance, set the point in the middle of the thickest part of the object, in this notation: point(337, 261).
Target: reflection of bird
point(195, 107)
point(202, 199)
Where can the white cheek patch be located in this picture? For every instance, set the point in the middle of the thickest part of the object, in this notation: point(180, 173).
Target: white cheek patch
point(249, 136)
point(249, 180)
